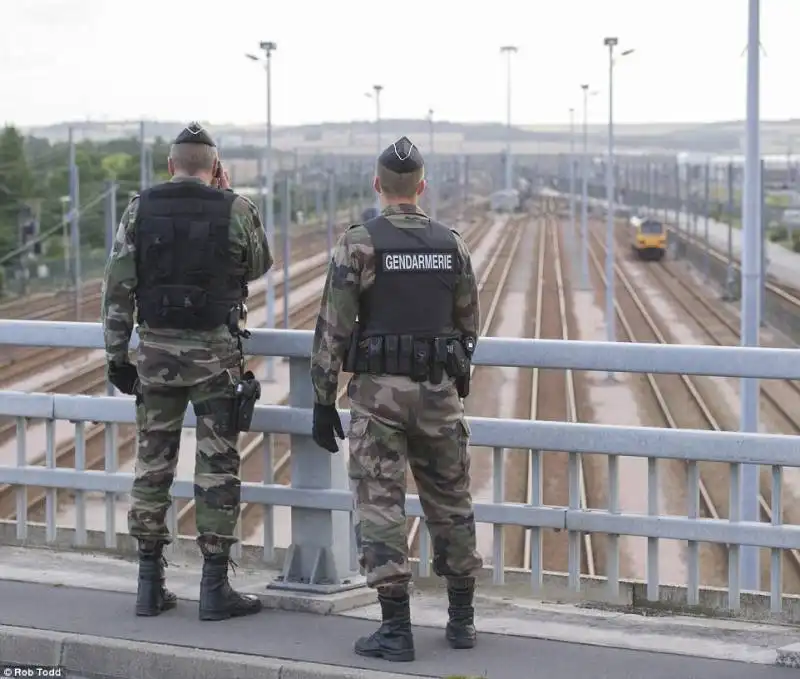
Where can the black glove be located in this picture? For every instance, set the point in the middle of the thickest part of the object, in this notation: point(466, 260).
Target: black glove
point(123, 376)
point(326, 423)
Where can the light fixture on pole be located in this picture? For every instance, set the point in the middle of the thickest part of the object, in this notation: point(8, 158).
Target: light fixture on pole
point(269, 208)
point(508, 50)
point(611, 43)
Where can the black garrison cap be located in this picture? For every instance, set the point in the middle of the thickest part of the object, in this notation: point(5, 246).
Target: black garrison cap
point(401, 157)
point(194, 133)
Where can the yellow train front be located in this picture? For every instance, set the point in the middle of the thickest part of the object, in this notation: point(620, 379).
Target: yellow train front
point(648, 238)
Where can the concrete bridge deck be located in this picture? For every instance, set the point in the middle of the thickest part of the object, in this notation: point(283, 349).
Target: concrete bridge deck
point(75, 610)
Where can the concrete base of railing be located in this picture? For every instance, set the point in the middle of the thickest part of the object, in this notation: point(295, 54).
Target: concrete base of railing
point(593, 591)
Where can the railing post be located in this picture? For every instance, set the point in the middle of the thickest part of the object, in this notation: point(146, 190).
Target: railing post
point(319, 557)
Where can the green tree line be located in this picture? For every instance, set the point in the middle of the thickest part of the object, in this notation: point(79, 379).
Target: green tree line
point(37, 171)
point(34, 170)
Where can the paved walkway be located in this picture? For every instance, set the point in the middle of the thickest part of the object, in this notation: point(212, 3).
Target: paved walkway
point(76, 610)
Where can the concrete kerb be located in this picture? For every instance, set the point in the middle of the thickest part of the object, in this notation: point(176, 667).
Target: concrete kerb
point(139, 660)
point(185, 585)
point(632, 597)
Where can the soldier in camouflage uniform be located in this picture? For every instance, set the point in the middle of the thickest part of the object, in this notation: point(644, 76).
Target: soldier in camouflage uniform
point(409, 281)
point(183, 255)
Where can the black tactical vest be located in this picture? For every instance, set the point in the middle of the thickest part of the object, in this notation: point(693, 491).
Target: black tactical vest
point(416, 270)
point(187, 278)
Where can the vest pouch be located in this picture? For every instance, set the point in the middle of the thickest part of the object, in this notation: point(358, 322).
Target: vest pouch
point(362, 365)
point(420, 366)
point(375, 355)
point(181, 306)
point(157, 247)
point(439, 359)
point(391, 354)
point(405, 355)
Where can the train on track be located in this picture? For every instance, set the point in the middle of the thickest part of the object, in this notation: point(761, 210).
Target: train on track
point(648, 238)
point(506, 200)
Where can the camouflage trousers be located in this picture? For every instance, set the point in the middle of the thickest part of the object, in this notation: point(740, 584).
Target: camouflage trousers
point(396, 422)
point(217, 487)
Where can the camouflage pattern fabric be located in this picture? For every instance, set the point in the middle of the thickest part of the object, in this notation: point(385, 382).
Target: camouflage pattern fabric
point(217, 488)
point(177, 367)
point(396, 422)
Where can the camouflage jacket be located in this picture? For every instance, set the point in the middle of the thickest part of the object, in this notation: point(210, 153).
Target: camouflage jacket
point(350, 273)
point(178, 357)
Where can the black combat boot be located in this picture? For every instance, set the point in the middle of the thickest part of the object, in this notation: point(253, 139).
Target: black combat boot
point(218, 600)
point(152, 597)
point(393, 640)
point(460, 630)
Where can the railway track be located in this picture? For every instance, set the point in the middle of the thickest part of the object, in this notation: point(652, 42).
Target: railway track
point(19, 362)
point(92, 455)
point(549, 478)
point(681, 401)
point(255, 467)
point(778, 396)
point(491, 287)
point(779, 292)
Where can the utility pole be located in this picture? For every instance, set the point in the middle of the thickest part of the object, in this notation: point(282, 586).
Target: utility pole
point(751, 283)
point(286, 219)
point(75, 234)
point(269, 204)
point(706, 210)
point(435, 166)
point(331, 209)
point(378, 89)
point(65, 240)
point(509, 51)
point(585, 192)
point(572, 231)
point(142, 157)
point(610, 316)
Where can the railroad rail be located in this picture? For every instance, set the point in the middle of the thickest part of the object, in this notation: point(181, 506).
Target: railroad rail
point(491, 287)
point(273, 465)
point(90, 452)
point(22, 361)
point(552, 396)
point(681, 403)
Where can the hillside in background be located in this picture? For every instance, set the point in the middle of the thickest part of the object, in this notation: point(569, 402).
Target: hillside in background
point(359, 137)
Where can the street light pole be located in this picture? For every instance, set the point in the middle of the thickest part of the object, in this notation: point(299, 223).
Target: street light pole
point(435, 186)
point(610, 318)
point(572, 233)
point(269, 206)
point(585, 192)
point(611, 43)
point(508, 50)
point(751, 283)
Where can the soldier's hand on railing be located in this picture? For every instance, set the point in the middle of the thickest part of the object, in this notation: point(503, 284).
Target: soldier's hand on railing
point(326, 423)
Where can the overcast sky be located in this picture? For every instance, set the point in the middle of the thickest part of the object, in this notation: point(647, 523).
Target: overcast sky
point(183, 59)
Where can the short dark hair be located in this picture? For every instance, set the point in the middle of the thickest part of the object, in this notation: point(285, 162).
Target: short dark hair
point(395, 185)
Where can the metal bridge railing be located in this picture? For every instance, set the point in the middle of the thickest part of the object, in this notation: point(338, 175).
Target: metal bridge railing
point(320, 555)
